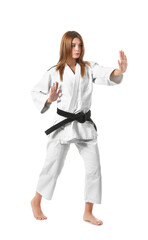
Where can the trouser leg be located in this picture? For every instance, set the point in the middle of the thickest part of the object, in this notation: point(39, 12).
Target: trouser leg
point(89, 151)
point(54, 161)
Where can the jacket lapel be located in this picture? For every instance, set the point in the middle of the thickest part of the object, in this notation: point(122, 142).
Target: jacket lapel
point(75, 88)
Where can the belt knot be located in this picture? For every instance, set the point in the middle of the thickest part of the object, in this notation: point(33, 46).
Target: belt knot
point(82, 117)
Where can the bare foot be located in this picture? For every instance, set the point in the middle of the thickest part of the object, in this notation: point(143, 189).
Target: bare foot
point(37, 212)
point(90, 218)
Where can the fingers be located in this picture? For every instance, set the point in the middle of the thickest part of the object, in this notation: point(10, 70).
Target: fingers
point(54, 87)
point(122, 55)
point(123, 61)
point(59, 91)
point(123, 58)
point(119, 63)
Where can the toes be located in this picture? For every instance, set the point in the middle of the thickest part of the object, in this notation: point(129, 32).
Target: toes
point(99, 222)
point(41, 218)
point(38, 218)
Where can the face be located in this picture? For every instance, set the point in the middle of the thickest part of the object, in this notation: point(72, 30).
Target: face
point(76, 47)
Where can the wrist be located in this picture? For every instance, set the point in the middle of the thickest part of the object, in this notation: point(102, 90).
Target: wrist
point(48, 100)
point(117, 72)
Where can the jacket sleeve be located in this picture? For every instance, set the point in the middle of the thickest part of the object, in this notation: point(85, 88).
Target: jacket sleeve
point(101, 75)
point(40, 92)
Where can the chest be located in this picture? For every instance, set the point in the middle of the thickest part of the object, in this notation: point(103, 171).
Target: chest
point(74, 83)
point(73, 69)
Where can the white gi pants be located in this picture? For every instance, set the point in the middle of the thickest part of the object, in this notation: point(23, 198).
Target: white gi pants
point(54, 161)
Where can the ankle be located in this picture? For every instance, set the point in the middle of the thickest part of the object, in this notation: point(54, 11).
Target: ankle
point(37, 199)
point(87, 212)
point(38, 196)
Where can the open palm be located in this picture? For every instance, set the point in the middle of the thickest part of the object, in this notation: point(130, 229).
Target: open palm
point(123, 62)
point(53, 92)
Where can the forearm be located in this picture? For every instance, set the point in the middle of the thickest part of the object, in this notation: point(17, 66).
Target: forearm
point(116, 76)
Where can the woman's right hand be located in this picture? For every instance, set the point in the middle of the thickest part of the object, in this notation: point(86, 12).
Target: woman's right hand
point(53, 93)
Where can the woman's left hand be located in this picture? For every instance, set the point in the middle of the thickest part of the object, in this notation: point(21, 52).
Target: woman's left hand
point(123, 62)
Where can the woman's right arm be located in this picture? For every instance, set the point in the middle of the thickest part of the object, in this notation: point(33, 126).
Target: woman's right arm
point(40, 92)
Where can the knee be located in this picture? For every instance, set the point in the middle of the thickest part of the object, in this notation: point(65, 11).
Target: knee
point(94, 173)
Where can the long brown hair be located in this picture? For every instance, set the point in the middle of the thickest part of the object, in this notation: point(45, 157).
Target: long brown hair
point(65, 52)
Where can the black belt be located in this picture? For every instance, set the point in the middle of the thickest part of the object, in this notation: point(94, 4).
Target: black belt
point(80, 117)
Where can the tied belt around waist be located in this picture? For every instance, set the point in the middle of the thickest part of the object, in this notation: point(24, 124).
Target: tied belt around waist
point(80, 117)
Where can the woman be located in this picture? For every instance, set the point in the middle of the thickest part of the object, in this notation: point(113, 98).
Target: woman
point(70, 83)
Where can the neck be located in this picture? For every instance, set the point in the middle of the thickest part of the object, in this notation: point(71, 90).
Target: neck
point(71, 62)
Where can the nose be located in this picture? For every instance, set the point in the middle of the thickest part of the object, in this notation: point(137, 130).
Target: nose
point(77, 47)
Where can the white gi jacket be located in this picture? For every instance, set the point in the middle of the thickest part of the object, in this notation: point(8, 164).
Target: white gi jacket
point(75, 96)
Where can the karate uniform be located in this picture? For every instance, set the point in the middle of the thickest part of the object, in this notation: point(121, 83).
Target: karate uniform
point(75, 97)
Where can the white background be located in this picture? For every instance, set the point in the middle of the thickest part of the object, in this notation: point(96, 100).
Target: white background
point(31, 33)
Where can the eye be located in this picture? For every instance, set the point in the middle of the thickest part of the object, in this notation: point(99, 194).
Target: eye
point(80, 45)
